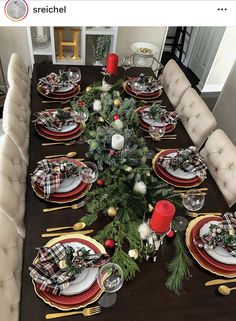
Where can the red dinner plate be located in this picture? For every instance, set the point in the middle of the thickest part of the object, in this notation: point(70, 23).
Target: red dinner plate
point(41, 132)
point(150, 96)
point(203, 253)
point(59, 96)
point(59, 134)
point(145, 126)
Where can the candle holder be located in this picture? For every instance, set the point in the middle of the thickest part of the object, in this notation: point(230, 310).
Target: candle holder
point(41, 37)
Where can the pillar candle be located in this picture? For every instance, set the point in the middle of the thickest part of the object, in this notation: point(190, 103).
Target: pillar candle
point(112, 63)
point(117, 141)
point(162, 216)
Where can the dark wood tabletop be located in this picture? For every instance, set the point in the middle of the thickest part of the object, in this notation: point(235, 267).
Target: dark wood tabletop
point(146, 297)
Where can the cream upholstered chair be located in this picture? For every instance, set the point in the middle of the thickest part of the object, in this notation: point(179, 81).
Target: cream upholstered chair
point(174, 82)
point(220, 156)
point(16, 60)
point(12, 184)
point(196, 117)
point(11, 246)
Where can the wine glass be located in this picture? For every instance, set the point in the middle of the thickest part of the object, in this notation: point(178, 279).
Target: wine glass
point(74, 75)
point(88, 172)
point(126, 63)
point(156, 132)
point(193, 200)
point(110, 279)
point(83, 114)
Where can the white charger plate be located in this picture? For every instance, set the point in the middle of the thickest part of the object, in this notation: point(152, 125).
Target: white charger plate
point(219, 253)
point(69, 184)
point(64, 129)
point(179, 173)
point(85, 279)
point(64, 89)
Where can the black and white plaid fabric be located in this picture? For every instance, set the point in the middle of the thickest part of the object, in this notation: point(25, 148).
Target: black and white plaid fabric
point(54, 278)
point(54, 81)
point(50, 175)
point(167, 117)
point(220, 234)
point(50, 119)
point(187, 159)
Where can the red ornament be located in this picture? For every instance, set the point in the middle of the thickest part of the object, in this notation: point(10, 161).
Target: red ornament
point(80, 103)
point(100, 182)
point(116, 117)
point(170, 234)
point(110, 244)
point(112, 152)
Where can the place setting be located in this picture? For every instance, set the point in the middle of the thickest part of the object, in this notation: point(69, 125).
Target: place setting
point(180, 167)
point(63, 180)
point(61, 86)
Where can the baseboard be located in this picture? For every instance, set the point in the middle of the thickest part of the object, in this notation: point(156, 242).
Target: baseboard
point(212, 88)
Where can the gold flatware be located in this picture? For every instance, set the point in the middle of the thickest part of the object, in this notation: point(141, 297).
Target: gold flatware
point(225, 290)
point(86, 312)
point(153, 101)
point(203, 189)
point(184, 195)
point(65, 109)
point(219, 281)
point(76, 227)
point(167, 136)
point(70, 155)
point(55, 101)
point(162, 138)
point(195, 214)
point(66, 233)
point(73, 207)
point(72, 142)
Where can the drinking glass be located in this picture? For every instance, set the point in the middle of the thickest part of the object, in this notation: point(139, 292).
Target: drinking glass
point(156, 132)
point(74, 75)
point(193, 200)
point(110, 279)
point(126, 63)
point(88, 172)
point(83, 114)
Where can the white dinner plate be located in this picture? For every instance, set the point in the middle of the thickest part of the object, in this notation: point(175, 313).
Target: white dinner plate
point(64, 129)
point(69, 184)
point(64, 89)
point(85, 279)
point(219, 253)
point(150, 121)
point(137, 45)
point(179, 173)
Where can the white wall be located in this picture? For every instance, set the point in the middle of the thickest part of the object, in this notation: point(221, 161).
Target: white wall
point(223, 61)
point(13, 39)
point(225, 108)
point(128, 35)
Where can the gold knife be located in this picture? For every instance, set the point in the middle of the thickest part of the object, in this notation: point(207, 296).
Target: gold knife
point(219, 281)
point(66, 233)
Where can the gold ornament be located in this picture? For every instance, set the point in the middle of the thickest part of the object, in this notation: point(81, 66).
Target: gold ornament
point(62, 264)
point(117, 102)
point(101, 119)
point(128, 168)
point(88, 89)
point(133, 254)
point(111, 211)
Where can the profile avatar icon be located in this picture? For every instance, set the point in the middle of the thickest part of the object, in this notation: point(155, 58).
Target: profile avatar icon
point(16, 10)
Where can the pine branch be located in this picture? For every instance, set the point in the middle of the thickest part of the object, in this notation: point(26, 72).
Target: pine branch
point(127, 264)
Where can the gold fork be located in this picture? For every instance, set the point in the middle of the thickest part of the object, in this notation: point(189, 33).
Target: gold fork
point(55, 101)
point(72, 142)
point(86, 312)
point(195, 214)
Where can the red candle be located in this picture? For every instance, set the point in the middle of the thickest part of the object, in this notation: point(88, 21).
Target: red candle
point(162, 216)
point(112, 63)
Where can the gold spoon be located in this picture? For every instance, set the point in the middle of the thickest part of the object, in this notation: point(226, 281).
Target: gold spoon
point(70, 155)
point(76, 227)
point(225, 290)
point(72, 142)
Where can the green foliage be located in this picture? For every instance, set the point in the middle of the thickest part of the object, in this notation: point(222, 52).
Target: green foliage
point(179, 266)
point(99, 46)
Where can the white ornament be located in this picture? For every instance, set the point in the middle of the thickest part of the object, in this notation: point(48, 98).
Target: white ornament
point(128, 169)
point(140, 187)
point(150, 208)
point(117, 124)
point(144, 230)
point(117, 142)
point(97, 106)
point(105, 86)
point(133, 254)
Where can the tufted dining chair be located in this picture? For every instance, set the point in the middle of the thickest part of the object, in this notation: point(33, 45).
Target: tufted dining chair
point(12, 183)
point(11, 247)
point(196, 117)
point(15, 60)
point(220, 156)
point(174, 82)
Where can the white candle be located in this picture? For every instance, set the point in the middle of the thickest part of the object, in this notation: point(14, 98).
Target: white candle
point(97, 106)
point(117, 142)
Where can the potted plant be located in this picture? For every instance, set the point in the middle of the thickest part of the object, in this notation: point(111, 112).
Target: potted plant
point(100, 47)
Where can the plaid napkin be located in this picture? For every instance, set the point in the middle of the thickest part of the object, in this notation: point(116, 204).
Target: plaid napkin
point(55, 121)
point(162, 115)
point(50, 175)
point(54, 81)
point(187, 159)
point(58, 265)
point(223, 235)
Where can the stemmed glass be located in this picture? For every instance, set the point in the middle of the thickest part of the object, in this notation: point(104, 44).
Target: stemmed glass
point(74, 75)
point(83, 114)
point(110, 279)
point(88, 172)
point(156, 132)
point(126, 63)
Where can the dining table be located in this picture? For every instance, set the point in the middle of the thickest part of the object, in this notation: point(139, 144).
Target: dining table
point(146, 297)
